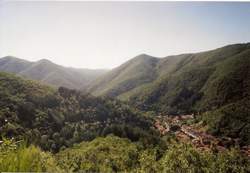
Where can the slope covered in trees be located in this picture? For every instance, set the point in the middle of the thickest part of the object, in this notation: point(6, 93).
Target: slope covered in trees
point(59, 118)
point(216, 82)
point(129, 75)
point(180, 83)
point(50, 73)
point(200, 82)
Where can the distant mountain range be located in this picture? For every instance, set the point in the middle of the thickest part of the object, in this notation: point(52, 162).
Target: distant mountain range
point(49, 72)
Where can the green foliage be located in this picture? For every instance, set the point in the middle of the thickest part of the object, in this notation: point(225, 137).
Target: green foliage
point(181, 158)
point(114, 154)
point(231, 161)
point(110, 154)
point(19, 158)
point(148, 161)
point(53, 119)
point(232, 120)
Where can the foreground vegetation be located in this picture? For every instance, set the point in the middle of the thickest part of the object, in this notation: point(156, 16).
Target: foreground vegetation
point(114, 154)
point(17, 157)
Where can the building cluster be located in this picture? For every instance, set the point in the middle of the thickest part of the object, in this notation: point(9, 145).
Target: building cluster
point(190, 134)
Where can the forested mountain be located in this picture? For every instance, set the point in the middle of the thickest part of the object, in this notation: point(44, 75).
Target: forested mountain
point(50, 73)
point(199, 81)
point(132, 74)
point(144, 76)
point(214, 84)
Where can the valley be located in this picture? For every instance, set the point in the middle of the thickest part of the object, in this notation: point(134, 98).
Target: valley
point(173, 114)
point(124, 87)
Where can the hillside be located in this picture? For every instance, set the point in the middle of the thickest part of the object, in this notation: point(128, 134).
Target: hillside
point(59, 118)
point(50, 73)
point(134, 73)
point(214, 84)
point(142, 75)
point(199, 81)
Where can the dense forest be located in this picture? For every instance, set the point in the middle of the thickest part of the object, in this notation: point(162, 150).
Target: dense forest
point(59, 118)
point(110, 126)
point(114, 154)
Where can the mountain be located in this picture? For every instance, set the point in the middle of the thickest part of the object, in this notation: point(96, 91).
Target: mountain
point(148, 81)
point(208, 77)
point(134, 75)
point(50, 73)
point(129, 75)
point(214, 85)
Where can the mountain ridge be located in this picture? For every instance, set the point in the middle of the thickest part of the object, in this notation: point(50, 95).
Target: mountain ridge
point(154, 69)
point(50, 73)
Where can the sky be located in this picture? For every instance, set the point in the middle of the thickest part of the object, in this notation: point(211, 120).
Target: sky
point(106, 34)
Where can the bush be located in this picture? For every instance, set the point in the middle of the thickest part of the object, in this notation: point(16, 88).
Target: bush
point(182, 158)
point(110, 154)
point(15, 158)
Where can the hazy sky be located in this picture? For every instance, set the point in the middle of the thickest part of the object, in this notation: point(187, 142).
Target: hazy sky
point(106, 34)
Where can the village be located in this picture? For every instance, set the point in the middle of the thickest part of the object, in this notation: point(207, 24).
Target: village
point(185, 130)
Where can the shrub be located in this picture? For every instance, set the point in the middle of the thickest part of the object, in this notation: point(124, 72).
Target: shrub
point(14, 158)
